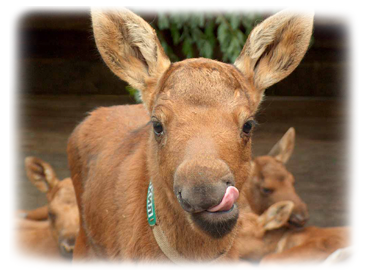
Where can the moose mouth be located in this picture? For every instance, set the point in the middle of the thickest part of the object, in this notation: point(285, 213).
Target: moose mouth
point(218, 221)
point(65, 253)
point(293, 224)
point(227, 202)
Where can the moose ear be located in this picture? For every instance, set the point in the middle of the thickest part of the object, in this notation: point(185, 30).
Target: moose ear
point(130, 48)
point(276, 215)
point(283, 149)
point(274, 49)
point(41, 174)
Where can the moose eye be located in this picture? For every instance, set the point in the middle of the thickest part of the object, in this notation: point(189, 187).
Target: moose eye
point(266, 191)
point(247, 127)
point(52, 216)
point(157, 128)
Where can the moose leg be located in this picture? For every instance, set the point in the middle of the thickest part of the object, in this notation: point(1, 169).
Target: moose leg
point(40, 213)
point(20, 223)
point(20, 213)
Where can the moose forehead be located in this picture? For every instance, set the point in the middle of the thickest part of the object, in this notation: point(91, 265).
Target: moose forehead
point(204, 82)
point(273, 169)
point(63, 194)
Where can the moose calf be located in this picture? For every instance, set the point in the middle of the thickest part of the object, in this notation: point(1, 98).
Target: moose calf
point(273, 232)
point(266, 238)
point(269, 182)
point(45, 244)
point(166, 188)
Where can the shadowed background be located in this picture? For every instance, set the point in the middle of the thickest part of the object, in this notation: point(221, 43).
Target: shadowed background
point(61, 77)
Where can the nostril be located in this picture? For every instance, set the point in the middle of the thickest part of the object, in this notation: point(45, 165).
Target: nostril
point(229, 183)
point(187, 207)
point(228, 180)
point(297, 220)
point(179, 197)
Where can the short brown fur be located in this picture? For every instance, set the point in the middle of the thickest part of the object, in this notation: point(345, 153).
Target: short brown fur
point(201, 106)
point(50, 230)
point(266, 238)
point(271, 182)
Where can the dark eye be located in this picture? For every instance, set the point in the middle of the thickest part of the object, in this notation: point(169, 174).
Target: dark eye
point(157, 127)
point(52, 216)
point(267, 191)
point(247, 127)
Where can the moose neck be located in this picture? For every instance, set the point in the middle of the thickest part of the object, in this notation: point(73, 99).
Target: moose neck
point(181, 233)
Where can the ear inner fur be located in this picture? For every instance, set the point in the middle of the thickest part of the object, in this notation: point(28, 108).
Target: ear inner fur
point(130, 48)
point(274, 49)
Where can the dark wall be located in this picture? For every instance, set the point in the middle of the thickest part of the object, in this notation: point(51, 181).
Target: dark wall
point(57, 55)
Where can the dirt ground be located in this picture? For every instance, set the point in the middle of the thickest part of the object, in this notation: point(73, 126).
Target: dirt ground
point(319, 163)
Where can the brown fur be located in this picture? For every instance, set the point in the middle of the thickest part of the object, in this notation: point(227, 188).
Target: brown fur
point(311, 244)
point(202, 105)
point(35, 249)
point(267, 172)
point(271, 182)
point(265, 238)
point(40, 213)
point(254, 241)
point(272, 48)
point(49, 230)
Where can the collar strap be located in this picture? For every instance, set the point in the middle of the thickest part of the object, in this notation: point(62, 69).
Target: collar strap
point(160, 236)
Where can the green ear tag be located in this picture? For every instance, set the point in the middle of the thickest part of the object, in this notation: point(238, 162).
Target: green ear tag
point(151, 213)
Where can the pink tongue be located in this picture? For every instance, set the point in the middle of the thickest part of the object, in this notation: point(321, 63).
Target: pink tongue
point(231, 195)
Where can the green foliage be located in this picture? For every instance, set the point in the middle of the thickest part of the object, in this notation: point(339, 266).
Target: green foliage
point(134, 92)
point(203, 35)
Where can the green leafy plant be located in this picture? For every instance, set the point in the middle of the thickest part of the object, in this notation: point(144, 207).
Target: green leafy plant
point(201, 35)
point(134, 92)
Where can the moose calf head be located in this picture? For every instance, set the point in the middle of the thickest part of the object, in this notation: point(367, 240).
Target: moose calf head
point(271, 182)
point(62, 204)
point(201, 110)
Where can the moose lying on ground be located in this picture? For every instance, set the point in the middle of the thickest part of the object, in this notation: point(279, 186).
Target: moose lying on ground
point(270, 182)
point(273, 230)
point(267, 238)
point(51, 230)
point(166, 189)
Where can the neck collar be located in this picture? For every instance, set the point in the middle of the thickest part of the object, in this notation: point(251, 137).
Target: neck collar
point(160, 236)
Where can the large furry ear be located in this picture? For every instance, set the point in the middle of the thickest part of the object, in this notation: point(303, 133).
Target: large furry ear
point(41, 174)
point(274, 49)
point(130, 48)
point(276, 216)
point(283, 149)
